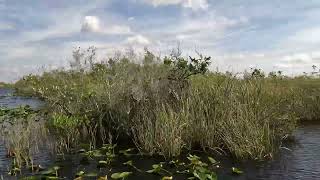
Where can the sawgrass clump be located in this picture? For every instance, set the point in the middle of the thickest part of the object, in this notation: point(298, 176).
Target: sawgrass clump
point(166, 105)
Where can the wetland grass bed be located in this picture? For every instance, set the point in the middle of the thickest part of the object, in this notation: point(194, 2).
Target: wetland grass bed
point(165, 108)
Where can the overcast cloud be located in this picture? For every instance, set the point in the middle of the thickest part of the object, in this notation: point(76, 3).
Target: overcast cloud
point(272, 35)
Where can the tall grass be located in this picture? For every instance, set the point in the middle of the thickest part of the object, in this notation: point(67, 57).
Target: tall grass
point(170, 104)
point(5, 85)
point(245, 117)
point(23, 133)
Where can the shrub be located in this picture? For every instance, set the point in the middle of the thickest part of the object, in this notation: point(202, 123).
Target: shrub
point(167, 105)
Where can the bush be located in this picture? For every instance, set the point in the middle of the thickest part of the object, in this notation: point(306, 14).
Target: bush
point(172, 104)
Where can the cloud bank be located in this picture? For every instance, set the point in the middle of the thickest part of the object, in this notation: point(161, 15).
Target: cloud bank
point(92, 24)
point(237, 34)
point(192, 4)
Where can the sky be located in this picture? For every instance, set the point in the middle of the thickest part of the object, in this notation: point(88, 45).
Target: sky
point(37, 35)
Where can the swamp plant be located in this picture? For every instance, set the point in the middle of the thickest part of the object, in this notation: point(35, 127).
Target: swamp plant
point(171, 104)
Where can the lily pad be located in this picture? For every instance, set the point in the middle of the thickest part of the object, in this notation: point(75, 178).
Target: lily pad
point(103, 164)
point(212, 161)
point(103, 178)
point(31, 178)
point(121, 175)
point(91, 174)
point(126, 152)
point(167, 178)
point(236, 171)
point(156, 168)
point(80, 173)
point(129, 163)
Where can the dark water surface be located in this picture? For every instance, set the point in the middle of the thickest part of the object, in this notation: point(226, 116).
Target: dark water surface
point(7, 99)
point(300, 161)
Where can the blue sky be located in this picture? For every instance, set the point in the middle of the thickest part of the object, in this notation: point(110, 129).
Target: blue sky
point(272, 35)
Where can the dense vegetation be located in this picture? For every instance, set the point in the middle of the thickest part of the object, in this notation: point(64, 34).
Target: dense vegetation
point(171, 104)
point(5, 85)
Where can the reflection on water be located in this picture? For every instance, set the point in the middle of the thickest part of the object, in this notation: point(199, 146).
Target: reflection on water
point(302, 161)
point(8, 100)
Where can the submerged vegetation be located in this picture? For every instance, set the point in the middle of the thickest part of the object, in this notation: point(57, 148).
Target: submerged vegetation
point(23, 133)
point(166, 106)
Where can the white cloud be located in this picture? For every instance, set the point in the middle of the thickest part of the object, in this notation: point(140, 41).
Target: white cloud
point(298, 58)
point(138, 39)
point(205, 32)
point(131, 18)
point(310, 35)
point(193, 4)
point(6, 27)
point(183, 37)
point(163, 2)
point(304, 40)
point(92, 24)
point(290, 64)
point(11, 74)
point(196, 4)
point(119, 29)
point(299, 61)
point(212, 23)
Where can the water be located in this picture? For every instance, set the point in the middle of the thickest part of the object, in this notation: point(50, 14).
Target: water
point(8, 100)
point(300, 161)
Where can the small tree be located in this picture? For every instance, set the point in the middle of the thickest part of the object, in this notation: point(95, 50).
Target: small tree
point(314, 67)
point(182, 69)
point(257, 73)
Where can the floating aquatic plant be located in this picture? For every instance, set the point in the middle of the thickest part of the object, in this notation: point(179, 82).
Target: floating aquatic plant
point(130, 163)
point(126, 152)
point(158, 169)
point(195, 161)
point(167, 178)
point(121, 175)
point(199, 169)
point(236, 171)
point(203, 173)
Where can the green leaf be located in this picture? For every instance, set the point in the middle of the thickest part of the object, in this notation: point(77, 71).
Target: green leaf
point(103, 178)
point(212, 176)
point(191, 178)
point(236, 171)
point(80, 173)
point(48, 172)
point(49, 177)
point(92, 174)
point(203, 173)
point(195, 161)
point(126, 152)
point(150, 171)
point(97, 153)
point(121, 175)
point(129, 163)
point(103, 163)
point(31, 178)
point(212, 161)
point(167, 178)
point(156, 166)
point(186, 171)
